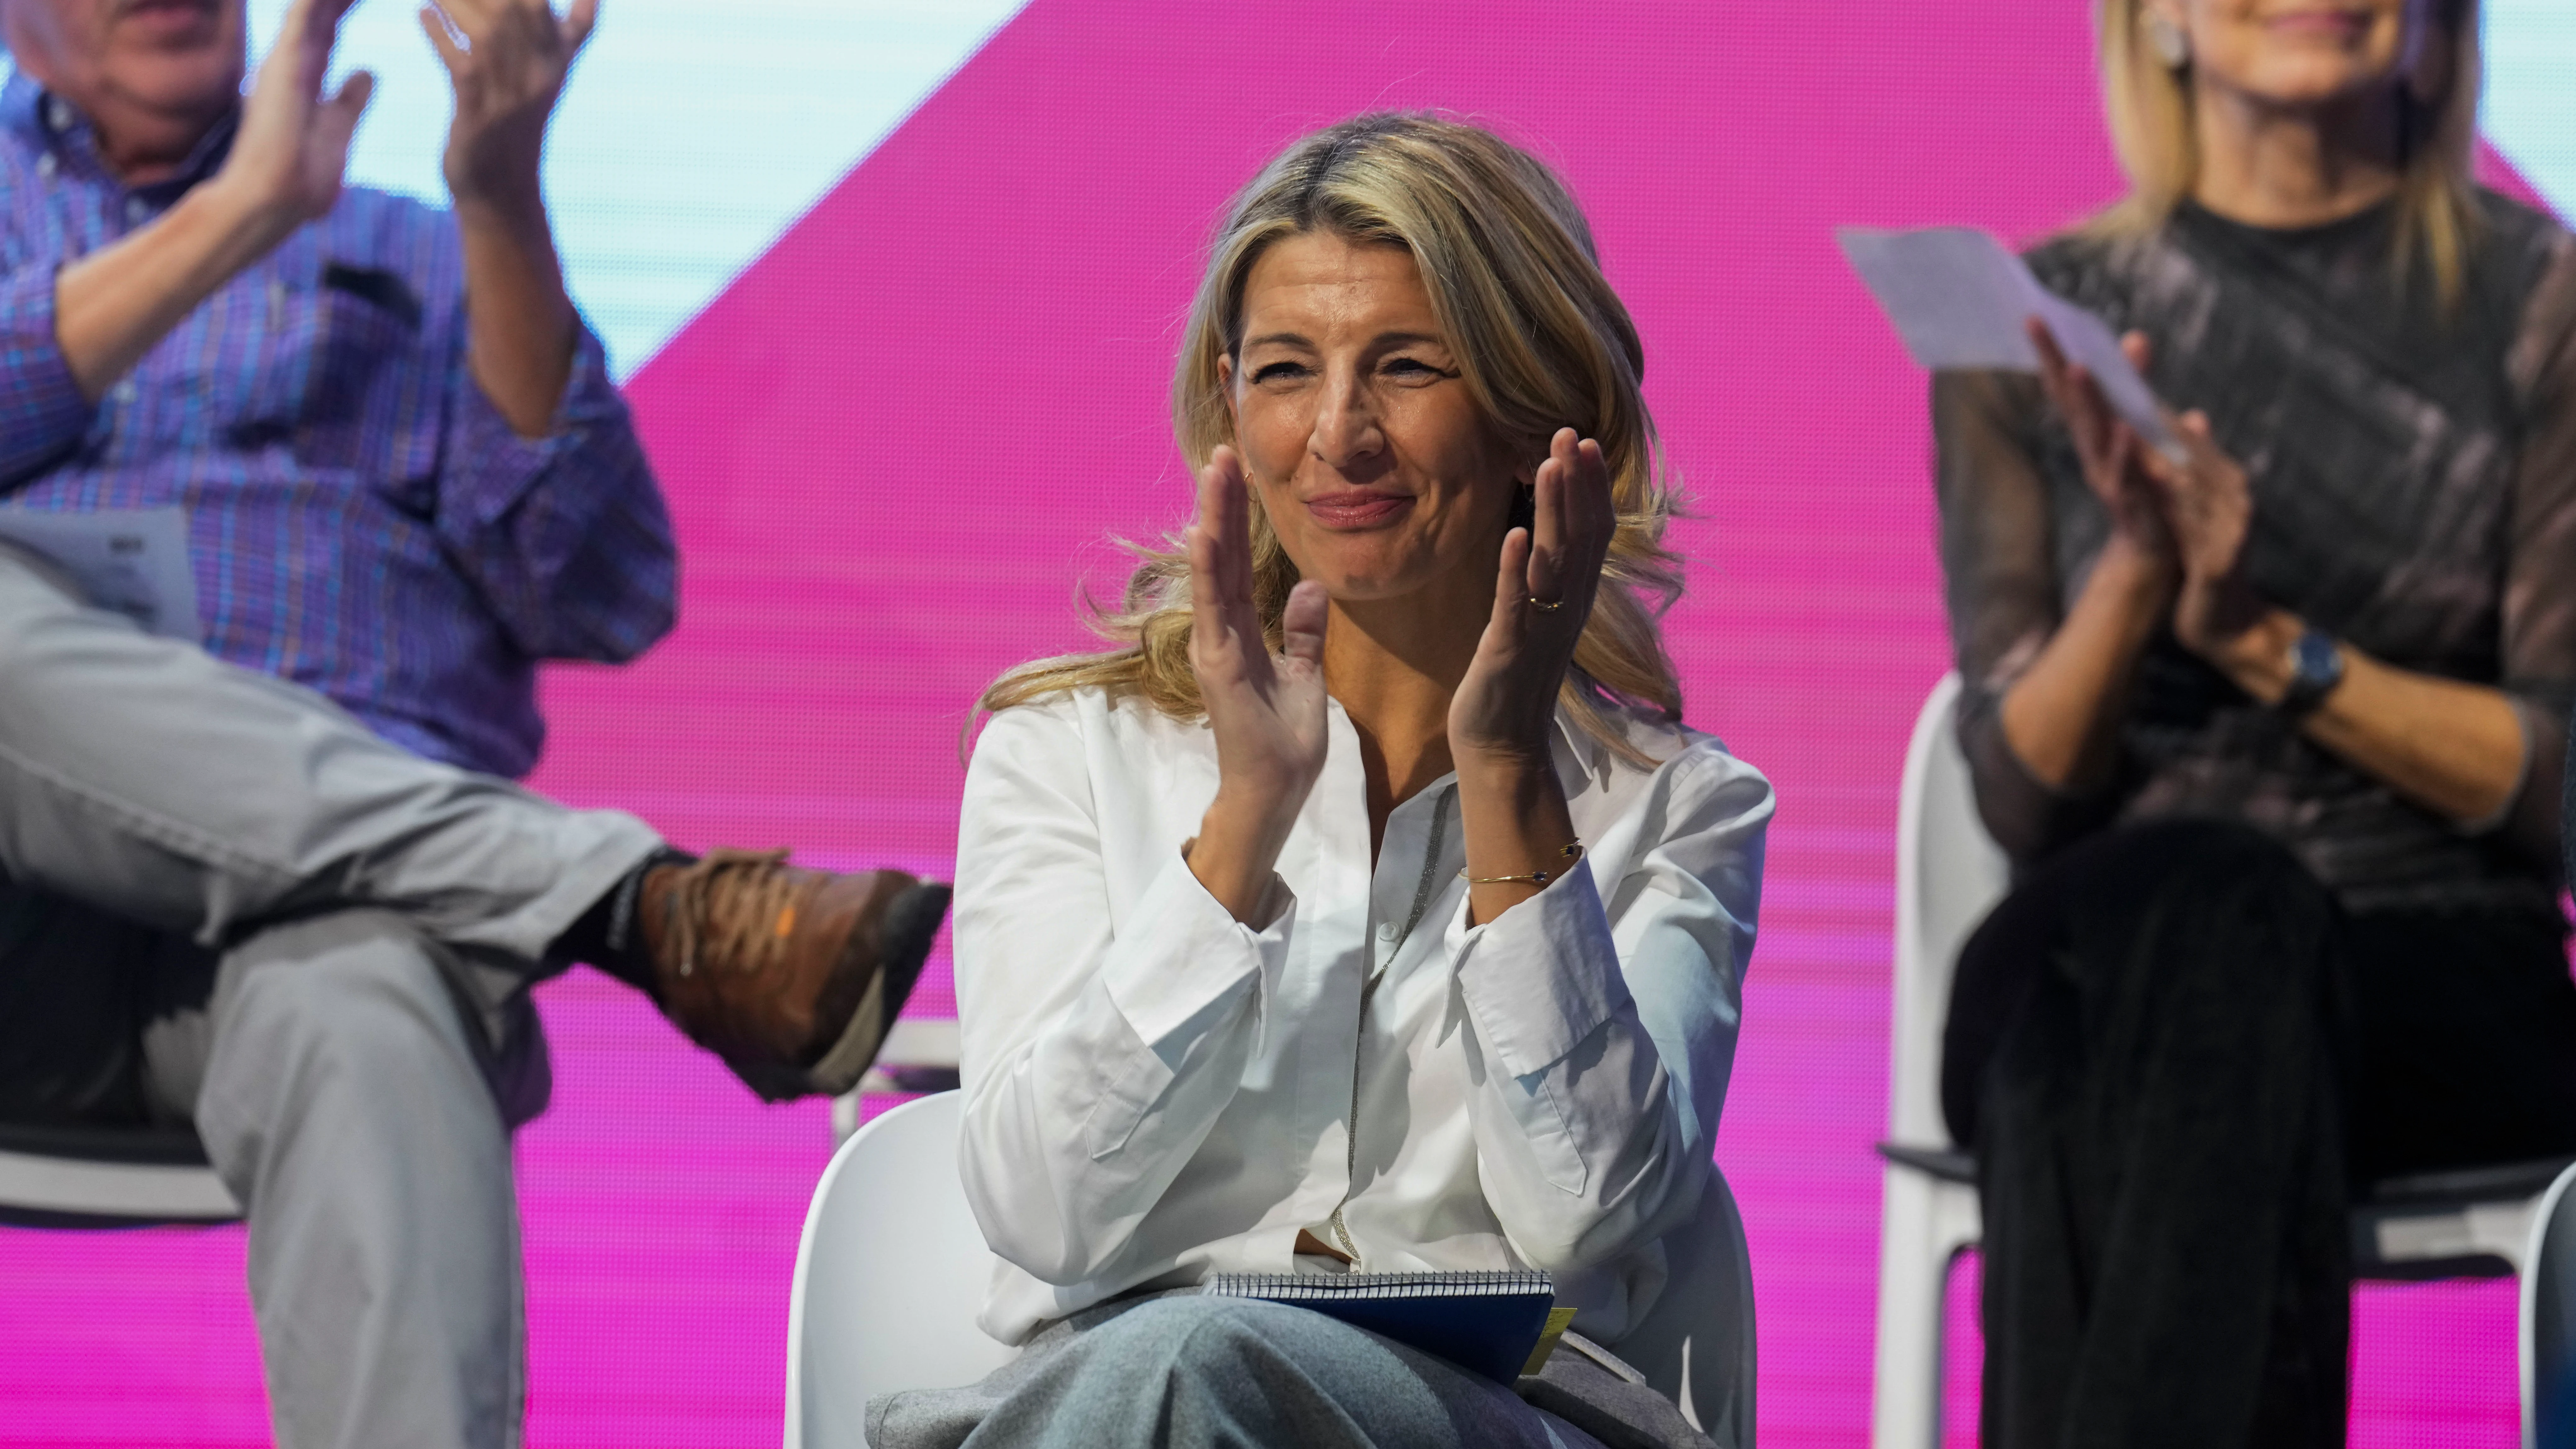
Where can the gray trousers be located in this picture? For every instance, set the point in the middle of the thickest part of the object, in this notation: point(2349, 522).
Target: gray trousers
point(1179, 1370)
point(354, 1072)
point(1190, 1372)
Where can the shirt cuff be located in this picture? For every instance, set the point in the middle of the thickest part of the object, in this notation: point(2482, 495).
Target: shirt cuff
point(1543, 976)
point(41, 407)
point(2503, 814)
point(2023, 813)
point(1193, 956)
point(493, 466)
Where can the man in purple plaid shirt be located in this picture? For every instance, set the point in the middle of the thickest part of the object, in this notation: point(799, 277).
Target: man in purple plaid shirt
point(407, 473)
point(275, 889)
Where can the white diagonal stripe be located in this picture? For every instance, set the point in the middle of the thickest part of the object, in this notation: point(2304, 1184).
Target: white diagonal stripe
point(2531, 93)
point(692, 135)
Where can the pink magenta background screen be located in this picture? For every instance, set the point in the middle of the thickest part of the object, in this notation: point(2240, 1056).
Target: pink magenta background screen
point(898, 449)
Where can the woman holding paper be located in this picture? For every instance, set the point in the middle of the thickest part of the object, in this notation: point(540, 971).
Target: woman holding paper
point(1368, 907)
point(2272, 721)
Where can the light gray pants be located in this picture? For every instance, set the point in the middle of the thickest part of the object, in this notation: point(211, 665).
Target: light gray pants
point(1177, 1370)
point(1185, 1372)
point(357, 1072)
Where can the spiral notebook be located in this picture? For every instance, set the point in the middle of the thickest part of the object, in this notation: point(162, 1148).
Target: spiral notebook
point(1499, 1324)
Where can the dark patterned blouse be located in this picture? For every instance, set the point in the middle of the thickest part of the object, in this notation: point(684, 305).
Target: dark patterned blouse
point(2414, 479)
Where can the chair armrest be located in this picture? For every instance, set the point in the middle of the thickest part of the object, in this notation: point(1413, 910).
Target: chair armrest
point(1948, 1164)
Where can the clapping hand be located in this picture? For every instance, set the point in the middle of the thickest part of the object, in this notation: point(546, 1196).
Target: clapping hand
point(1543, 590)
point(2109, 451)
point(2209, 508)
point(508, 60)
point(1266, 710)
point(2189, 516)
point(292, 148)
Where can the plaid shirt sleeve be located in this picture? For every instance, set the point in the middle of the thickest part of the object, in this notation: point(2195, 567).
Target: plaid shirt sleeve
point(42, 412)
point(566, 535)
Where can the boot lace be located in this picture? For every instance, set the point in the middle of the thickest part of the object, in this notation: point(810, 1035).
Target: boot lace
point(734, 906)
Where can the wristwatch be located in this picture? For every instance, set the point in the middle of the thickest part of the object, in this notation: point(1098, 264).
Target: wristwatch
point(2316, 667)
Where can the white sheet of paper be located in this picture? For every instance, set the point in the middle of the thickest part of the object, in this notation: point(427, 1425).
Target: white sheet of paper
point(1959, 298)
point(133, 561)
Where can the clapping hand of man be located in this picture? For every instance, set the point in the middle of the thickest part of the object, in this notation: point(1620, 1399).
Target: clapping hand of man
point(508, 60)
point(284, 169)
point(292, 150)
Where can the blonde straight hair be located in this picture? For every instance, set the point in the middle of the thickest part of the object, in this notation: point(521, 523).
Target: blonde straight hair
point(2150, 108)
point(1541, 341)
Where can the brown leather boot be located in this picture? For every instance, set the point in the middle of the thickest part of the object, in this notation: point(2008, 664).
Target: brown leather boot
point(792, 976)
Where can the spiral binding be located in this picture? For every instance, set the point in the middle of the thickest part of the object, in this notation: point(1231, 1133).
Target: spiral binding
point(1321, 1287)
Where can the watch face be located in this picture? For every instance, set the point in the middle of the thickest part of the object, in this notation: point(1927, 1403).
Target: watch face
point(2316, 667)
point(2315, 658)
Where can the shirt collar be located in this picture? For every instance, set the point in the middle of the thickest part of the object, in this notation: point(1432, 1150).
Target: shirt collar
point(47, 121)
point(20, 110)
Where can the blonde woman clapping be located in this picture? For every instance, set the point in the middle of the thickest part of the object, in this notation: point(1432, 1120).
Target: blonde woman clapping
point(1369, 906)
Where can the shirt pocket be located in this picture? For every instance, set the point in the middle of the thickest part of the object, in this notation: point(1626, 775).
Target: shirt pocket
point(342, 380)
point(370, 387)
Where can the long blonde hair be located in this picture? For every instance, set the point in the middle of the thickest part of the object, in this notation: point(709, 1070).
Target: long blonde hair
point(1541, 341)
point(2150, 108)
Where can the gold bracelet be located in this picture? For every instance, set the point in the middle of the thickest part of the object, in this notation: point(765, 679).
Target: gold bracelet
point(1538, 878)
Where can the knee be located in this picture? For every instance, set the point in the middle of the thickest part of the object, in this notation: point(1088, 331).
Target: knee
point(2140, 879)
point(2230, 894)
point(2213, 901)
point(2205, 909)
point(2190, 856)
point(352, 1005)
point(1203, 1345)
point(1190, 1329)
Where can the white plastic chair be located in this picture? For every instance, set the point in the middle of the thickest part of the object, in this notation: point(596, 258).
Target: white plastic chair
point(84, 1178)
point(892, 1269)
point(1949, 874)
point(889, 1276)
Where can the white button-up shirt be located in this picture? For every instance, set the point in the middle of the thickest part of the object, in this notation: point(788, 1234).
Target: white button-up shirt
point(1156, 1091)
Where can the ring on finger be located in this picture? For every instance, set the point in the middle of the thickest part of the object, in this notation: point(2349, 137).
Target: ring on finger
point(1547, 606)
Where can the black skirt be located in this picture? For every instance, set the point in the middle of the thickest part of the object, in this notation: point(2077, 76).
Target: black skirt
point(2175, 1054)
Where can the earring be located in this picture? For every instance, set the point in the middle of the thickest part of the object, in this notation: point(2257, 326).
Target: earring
point(2166, 39)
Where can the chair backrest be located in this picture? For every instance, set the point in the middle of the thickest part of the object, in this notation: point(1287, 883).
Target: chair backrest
point(2548, 1319)
point(890, 1274)
point(892, 1269)
point(1949, 873)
